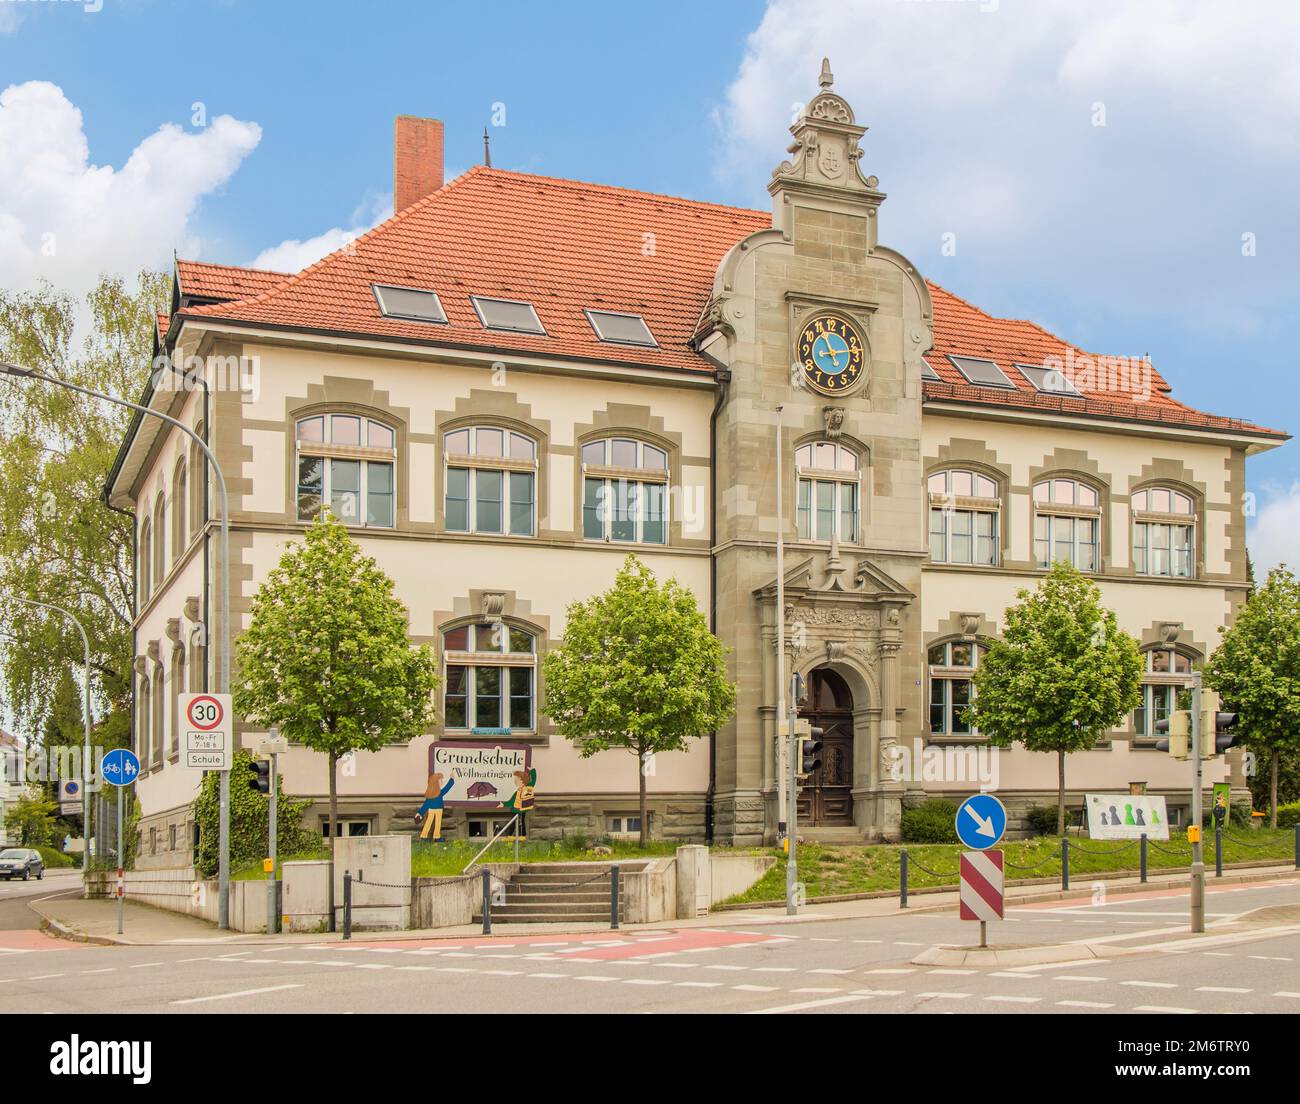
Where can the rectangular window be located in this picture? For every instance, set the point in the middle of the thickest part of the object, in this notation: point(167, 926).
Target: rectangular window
point(345, 490)
point(1140, 560)
point(311, 473)
point(960, 690)
point(593, 509)
point(961, 536)
point(458, 500)
point(623, 522)
point(803, 509)
point(938, 535)
point(938, 705)
point(521, 504)
point(848, 511)
point(986, 539)
point(1182, 551)
point(487, 697)
point(825, 497)
point(487, 501)
point(653, 524)
point(455, 698)
point(379, 494)
point(521, 697)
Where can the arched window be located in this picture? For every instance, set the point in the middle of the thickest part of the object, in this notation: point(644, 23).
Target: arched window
point(624, 491)
point(490, 677)
point(964, 508)
point(180, 508)
point(144, 562)
point(198, 476)
point(1164, 528)
point(347, 462)
point(952, 666)
point(159, 539)
point(1167, 670)
point(1067, 523)
point(178, 682)
point(158, 718)
point(828, 491)
point(143, 722)
point(491, 481)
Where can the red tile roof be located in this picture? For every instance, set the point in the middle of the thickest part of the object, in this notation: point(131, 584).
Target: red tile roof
point(564, 245)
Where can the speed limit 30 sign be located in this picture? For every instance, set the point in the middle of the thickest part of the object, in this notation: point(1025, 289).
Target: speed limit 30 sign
point(208, 737)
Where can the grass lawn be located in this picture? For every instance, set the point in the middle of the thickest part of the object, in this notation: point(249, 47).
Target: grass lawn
point(441, 860)
point(254, 873)
point(832, 871)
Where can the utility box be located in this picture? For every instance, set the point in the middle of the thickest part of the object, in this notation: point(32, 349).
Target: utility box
point(694, 881)
point(381, 881)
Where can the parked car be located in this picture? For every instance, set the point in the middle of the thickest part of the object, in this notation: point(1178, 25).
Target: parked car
point(21, 862)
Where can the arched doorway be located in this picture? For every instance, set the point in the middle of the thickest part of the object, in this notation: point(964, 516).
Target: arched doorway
point(826, 796)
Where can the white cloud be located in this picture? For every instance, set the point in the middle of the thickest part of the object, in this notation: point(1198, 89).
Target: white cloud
point(1274, 537)
point(292, 255)
point(982, 115)
point(65, 219)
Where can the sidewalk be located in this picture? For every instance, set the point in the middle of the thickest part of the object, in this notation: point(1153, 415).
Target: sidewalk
point(96, 921)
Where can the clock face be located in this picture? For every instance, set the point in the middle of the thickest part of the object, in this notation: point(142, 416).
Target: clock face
point(832, 353)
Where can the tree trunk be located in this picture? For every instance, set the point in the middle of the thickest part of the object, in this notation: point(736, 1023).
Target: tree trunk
point(640, 771)
point(1060, 792)
point(1272, 791)
point(333, 829)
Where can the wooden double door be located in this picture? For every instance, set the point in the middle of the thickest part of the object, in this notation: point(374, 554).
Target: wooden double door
point(826, 796)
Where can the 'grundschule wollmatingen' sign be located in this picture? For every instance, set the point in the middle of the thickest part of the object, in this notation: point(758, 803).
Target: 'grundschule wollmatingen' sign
point(483, 773)
point(1127, 816)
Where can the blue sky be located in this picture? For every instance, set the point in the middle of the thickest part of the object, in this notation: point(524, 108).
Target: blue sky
point(1120, 173)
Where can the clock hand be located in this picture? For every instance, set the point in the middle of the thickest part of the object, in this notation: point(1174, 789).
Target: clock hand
point(830, 351)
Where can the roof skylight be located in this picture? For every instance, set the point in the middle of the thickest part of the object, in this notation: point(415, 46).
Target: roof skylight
point(1049, 380)
point(927, 372)
point(513, 315)
point(982, 373)
point(415, 304)
point(620, 328)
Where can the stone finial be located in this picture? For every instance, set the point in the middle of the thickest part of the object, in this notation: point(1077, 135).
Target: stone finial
point(827, 78)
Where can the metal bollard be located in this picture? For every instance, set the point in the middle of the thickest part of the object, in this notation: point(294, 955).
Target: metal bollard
point(1218, 850)
point(902, 878)
point(1297, 845)
point(347, 904)
point(613, 896)
point(487, 902)
point(1065, 862)
point(1142, 863)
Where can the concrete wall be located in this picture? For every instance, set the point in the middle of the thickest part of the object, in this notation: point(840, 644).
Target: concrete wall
point(648, 891)
point(732, 874)
point(446, 902)
point(179, 889)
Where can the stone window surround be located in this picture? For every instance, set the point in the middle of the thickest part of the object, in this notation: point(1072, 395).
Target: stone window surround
point(972, 455)
point(861, 476)
point(671, 477)
point(976, 503)
point(931, 640)
point(1053, 509)
point(1157, 636)
point(1196, 519)
point(502, 659)
point(538, 466)
point(385, 416)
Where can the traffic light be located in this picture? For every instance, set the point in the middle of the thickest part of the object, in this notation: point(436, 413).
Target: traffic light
point(1218, 722)
point(809, 748)
point(260, 780)
point(1179, 727)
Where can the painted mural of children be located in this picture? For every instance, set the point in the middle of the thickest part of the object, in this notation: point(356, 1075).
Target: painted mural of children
point(431, 810)
point(521, 801)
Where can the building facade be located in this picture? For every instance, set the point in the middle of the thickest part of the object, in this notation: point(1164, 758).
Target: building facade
point(518, 380)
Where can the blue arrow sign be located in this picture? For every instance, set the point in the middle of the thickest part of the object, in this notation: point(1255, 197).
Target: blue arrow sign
point(981, 821)
point(120, 767)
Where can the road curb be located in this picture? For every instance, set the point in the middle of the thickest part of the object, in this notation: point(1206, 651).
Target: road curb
point(54, 928)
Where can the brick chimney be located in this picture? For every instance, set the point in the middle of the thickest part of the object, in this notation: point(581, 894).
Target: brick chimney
point(417, 159)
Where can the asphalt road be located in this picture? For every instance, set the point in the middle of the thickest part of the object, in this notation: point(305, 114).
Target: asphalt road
point(752, 963)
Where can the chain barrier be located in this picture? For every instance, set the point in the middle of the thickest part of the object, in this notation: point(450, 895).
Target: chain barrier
point(1243, 843)
point(912, 861)
point(1102, 850)
point(1041, 862)
point(1169, 850)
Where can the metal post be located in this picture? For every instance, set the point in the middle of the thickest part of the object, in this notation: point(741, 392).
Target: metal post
point(1198, 857)
point(223, 891)
point(1297, 846)
point(487, 901)
point(791, 819)
point(1218, 850)
point(1142, 856)
point(902, 880)
point(347, 904)
point(272, 913)
point(121, 852)
point(984, 933)
point(613, 896)
point(1065, 862)
point(783, 828)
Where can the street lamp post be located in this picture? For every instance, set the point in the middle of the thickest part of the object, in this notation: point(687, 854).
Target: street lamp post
point(223, 889)
point(85, 710)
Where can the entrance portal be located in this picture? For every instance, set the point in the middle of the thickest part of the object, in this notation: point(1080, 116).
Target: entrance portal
point(826, 796)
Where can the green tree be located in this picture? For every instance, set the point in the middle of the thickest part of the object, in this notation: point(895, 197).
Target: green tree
point(326, 658)
point(638, 670)
point(1062, 674)
point(1256, 670)
point(250, 815)
point(58, 543)
point(33, 819)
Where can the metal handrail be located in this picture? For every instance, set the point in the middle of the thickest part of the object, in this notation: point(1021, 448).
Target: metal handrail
point(490, 842)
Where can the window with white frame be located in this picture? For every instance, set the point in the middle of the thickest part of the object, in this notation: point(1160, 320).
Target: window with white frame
point(964, 508)
point(1166, 672)
point(952, 667)
point(624, 491)
point(828, 491)
point(491, 484)
point(347, 462)
point(144, 562)
point(490, 677)
point(1067, 523)
point(1164, 530)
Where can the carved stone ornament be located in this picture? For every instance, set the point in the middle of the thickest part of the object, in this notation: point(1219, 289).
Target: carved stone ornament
point(969, 622)
point(836, 615)
point(494, 604)
point(833, 416)
point(1170, 631)
point(192, 608)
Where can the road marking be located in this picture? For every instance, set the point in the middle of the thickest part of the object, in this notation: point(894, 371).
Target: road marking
point(830, 970)
point(1165, 1008)
point(44, 977)
point(231, 996)
point(698, 984)
point(596, 977)
point(780, 1009)
point(885, 970)
point(755, 988)
point(1014, 1000)
point(759, 969)
point(716, 966)
point(1221, 989)
point(1285, 993)
point(680, 965)
point(945, 996)
point(540, 975)
point(645, 981)
point(1009, 974)
point(814, 989)
point(105, 970)
point(1151, 984)
point(953, 973)
point(1083, 1004)
point(1077, 977)
point(900, 943)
